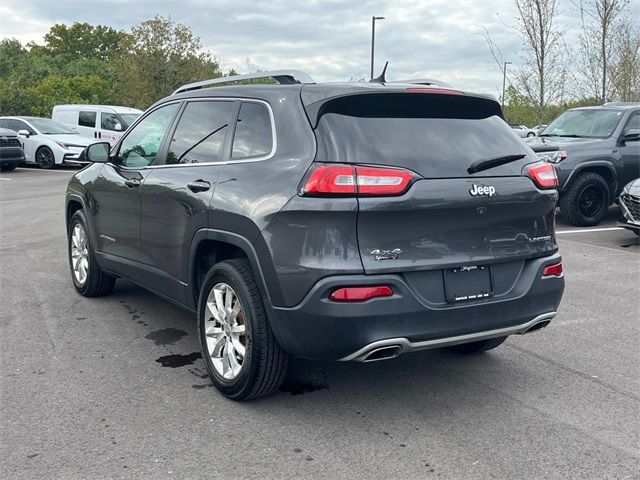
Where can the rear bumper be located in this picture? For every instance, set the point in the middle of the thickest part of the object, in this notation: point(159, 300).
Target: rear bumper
point(318, 328)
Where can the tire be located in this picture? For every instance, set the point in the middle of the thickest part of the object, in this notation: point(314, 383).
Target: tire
point(45, 158)
point(478, 347)
point(95, 283)
point(264, 363)
point(531, 135)
point(586, 202)
point(8, 168)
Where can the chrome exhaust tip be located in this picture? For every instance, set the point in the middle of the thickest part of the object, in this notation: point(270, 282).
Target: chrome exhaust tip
point(537, 326)
point(382, 353)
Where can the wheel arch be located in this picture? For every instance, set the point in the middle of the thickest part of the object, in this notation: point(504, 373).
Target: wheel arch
point(210, 246)
point(603, 168)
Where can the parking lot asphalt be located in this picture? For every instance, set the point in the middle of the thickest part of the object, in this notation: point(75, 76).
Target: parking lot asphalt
point(114, 387)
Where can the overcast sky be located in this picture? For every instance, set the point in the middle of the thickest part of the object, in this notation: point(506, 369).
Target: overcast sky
point(329, 39)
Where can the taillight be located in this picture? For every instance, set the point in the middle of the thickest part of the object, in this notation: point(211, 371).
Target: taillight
point(442, 91)
point(554, 270)
point(357, 180)
point(360, 294)
point(543, 175)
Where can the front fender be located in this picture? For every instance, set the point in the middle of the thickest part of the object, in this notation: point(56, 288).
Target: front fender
point(573, 173)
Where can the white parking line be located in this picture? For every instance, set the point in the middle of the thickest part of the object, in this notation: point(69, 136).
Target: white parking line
point(585, 230)
point(8, 179)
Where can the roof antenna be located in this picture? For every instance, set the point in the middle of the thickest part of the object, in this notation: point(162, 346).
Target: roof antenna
point(381, 78)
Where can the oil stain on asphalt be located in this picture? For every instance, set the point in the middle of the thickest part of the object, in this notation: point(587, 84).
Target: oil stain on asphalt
point(166, 336)
point(177, 360)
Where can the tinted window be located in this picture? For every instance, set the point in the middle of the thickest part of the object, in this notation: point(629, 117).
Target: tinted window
point(253, 137)
point(200, 134)
point(17, 125)
point(140, 147)
point(87, 119)
point(435, 137)
point(108, 121)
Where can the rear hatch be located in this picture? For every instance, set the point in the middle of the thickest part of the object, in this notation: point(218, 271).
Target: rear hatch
point(447, 217)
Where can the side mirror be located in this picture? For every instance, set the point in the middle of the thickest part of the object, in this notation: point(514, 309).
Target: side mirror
point(97, 152)
point(633, 134)
point(24, 133)
point(118, 127)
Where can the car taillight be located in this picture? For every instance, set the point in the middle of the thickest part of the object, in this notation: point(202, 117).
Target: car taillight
point(356, 180)
point(554, 270)
point(360, 294)
point(543, 175)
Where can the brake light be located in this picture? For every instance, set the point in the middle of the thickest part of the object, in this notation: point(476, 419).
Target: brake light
point(357, 180)
point(442, 91)
point(360, 294)
point(543, 175)
point(554, 270)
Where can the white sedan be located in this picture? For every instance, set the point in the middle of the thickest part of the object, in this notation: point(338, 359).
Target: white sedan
point(46, 142)
point(523, 131)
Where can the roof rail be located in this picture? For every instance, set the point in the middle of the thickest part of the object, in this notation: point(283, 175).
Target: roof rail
point(424, 81)
point(283, 77)
point(620, 104)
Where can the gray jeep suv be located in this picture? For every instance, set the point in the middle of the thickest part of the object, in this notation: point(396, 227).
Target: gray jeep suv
point(347, 221)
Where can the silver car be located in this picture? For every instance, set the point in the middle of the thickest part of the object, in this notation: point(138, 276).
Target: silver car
point(523, 131)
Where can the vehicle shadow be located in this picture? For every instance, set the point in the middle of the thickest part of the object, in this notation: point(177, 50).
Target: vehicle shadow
point(421, 374)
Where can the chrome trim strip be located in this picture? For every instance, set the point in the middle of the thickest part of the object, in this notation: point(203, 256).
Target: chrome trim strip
point(407, 346)
point(274, 136)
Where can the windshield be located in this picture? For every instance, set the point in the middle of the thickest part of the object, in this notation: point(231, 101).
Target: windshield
point(50, 127)
point(584, 123)
point(128, 118)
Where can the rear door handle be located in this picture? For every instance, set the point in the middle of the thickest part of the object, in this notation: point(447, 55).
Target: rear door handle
point(132, 182)
point(199, 186)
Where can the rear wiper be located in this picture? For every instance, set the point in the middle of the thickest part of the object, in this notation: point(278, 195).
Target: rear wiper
point(488, 163)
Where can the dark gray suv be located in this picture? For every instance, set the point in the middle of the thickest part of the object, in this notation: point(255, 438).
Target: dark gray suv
point(347, 221)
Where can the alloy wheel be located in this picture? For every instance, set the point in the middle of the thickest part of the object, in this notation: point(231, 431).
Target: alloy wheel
point(45, 158)
point(79, 253)
point(225, 331)
point(591, 201)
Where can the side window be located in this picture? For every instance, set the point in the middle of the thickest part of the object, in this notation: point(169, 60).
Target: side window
point(4, 123)
point(253, 136)
point(87, 119)
point(108, 121)
point(633, 125)
point(140, 147)
point(17, 125)
point(200, 134)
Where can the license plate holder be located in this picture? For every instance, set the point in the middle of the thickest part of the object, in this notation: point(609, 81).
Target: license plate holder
point(467, 283)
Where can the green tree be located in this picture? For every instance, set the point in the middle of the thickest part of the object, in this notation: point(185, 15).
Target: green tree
point(81, 41)
point(158, 56)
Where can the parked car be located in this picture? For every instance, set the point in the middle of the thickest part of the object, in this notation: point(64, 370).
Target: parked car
point(630, 206)
point(11, 153)
point(97, 122)
point(596, 151)
point(539, 128)
point(523, 131)
point(349, 222)
point(45, 141)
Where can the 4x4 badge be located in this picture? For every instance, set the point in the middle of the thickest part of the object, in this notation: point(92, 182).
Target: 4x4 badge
point(477, 190)
point(386, 254)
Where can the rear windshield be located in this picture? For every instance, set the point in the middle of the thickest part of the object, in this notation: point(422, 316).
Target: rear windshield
point(435, 137)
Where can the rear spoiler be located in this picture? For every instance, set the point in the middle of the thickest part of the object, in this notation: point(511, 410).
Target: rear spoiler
point(400, 103)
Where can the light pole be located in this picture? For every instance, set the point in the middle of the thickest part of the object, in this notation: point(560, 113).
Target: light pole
point(373, 38)
point(504, 81)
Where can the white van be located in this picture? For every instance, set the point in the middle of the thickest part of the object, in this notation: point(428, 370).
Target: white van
point(98, 122)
